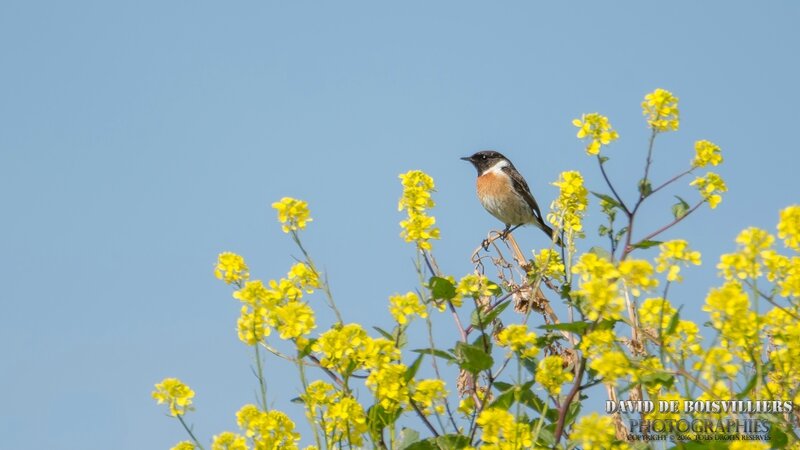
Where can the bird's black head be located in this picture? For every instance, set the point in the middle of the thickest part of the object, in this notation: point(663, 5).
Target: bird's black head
point(485, 159)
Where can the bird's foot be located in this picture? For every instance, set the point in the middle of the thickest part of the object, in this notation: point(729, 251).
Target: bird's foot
point(485, 244)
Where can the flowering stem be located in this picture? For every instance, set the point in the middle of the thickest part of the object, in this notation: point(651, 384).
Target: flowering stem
point(562, 412)
point(325, 287)
point(189, 430)
point(611, 186)
point(261, 384)
point(670, 181)
point(669, 225)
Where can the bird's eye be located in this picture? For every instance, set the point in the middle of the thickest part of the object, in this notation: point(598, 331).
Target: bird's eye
point(483, 156)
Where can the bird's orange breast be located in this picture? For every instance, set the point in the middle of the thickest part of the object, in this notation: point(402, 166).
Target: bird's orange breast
point(493, 185)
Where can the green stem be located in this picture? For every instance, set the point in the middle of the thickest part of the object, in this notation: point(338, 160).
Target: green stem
point(261, 383)
point(189, 430)
point(325, 287)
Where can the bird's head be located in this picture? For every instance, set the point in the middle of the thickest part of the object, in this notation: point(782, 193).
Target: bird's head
point(485, 160)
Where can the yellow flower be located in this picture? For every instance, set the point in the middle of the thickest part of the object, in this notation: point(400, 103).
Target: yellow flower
point(345, 421)
point(231, 268)
point(176, 394)
point(656, 313)
point(602, 299)
point(294, 319)
point(389, 385)
point(293, 214)
point(710, 187)
point(417, 188)
point(184, 445)
point(598, 341)
point(548, 264)
point(661, 109)
point(416, 199)
point(637, 275)
point(403, 306)
point(591, 266)
point(569, 207)
point(611, 366)
point(496, 423)
point(253, 326)
point(596, 432)
point(475, 286)
point(304, 277)
point(269, 430)
point(552, 374)
point(716, 364)
point(519, 340)
point(748, 445)
point(341, 347)
point(419, 228)
point(729, 308)
point(376, 353)
point(790, 286)
point(597, 128)
point(430, 396)
point(706, 153)
point(789, 227)
point(228, 441)
point(319, 393)
point(255, 294)
point(672, 253)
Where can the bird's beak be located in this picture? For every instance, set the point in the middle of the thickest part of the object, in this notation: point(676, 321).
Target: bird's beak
point(467, 158)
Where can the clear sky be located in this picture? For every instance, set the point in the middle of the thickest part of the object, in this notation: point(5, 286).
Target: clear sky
point(140, 139)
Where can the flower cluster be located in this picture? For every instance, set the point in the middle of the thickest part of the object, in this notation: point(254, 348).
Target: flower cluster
point(292, 213)
point(340, 415)
point(569, 207)
point(597, 129)
point(268, 429)
point(598, 287)
point(552, 374)
point(519, 340)
point(404, 306)
point(548, 264)
point(430, 396)
point(475, 286)
point(729, 308)
point(789, 227)
point(637, 275)
point(661, 109)
point(673, 254)
point(596, 432)
point(706, 153)
point(229, 441)
point(500, 430)
point(710, 186)
point(231, 268)
point(278, 306)
point(416, 200)
point(176, 394)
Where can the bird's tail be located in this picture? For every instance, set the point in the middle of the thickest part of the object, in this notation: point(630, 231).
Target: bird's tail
point(549, 232)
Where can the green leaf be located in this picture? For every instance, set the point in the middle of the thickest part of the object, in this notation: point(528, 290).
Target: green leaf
point(452, 442)
point(472, 358)
point(435, 352)
point(750, 385)
point(673, 322)
point(298, 400)
point(646, 244)
point(413, 368)
point(427, 444)
point(603, 230)
point(680, 209)
point(601, 252)
point(645, 188)
point(504, 400)
point(533, 402)
point(398, 337)
point(384, 333)
point(487, 318)
point(407, 438)
point(379, 418)
point(663, 378)
point(573, 327)
point(777, 438)
point(603, 159)
point(442, 288)
point(607, 199)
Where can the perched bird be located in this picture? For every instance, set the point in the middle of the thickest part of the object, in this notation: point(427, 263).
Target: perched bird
point(505, 194)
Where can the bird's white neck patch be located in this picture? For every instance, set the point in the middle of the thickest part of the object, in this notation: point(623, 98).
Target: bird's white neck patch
point(497, 167)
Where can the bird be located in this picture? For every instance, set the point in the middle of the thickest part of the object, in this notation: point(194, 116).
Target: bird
point(504, 193)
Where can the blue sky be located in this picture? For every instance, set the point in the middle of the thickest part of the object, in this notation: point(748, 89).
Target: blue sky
point(140, 139)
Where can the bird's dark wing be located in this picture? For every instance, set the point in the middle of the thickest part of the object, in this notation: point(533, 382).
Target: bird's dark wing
point(522, 188)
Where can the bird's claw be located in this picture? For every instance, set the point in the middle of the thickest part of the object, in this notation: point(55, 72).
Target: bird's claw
point(485, 244)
